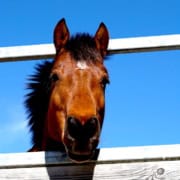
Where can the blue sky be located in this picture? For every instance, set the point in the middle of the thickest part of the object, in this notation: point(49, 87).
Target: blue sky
point(143, 98)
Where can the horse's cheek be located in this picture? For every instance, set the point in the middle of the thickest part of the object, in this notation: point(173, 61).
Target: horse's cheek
point(100, 103)
point(58, 98)
point(56, 123)
point(56, 117)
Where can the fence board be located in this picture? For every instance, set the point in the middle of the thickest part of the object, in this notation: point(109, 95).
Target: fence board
point(128, 163)
point(124, 45)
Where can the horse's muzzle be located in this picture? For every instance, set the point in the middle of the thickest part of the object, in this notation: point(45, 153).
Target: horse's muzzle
point(81, 140)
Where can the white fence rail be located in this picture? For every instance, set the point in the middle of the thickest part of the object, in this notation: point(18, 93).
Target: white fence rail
point(124, 45)
point(129, 163)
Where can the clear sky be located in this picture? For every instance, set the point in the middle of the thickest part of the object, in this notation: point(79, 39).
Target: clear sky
point(143, 98)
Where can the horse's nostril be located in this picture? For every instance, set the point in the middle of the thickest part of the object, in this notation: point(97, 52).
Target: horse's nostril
point(91, 127)
point(73, 126)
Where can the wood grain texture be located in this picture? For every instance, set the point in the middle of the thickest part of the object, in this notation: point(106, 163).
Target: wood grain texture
point(129, 163)
point(168, 170)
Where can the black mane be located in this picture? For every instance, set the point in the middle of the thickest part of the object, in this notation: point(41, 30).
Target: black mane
point(81, 47)
point(37, 101)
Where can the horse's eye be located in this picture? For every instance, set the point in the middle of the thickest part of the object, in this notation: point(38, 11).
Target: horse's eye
point(54, 77)
point(104, 81)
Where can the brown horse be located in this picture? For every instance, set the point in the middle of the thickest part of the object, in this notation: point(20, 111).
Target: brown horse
point(66, 100)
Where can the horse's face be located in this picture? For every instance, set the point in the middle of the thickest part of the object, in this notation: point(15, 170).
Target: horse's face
point(76, 107)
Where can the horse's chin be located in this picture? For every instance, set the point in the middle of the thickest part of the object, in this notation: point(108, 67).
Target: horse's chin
point(80, 158)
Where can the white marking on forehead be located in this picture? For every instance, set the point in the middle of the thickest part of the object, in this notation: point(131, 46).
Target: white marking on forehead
point(81, 65)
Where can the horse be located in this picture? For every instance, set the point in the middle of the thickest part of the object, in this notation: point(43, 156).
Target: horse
point(66, 98)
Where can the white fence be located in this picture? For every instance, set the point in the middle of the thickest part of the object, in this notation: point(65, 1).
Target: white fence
point(125, 45)
point(130, 163)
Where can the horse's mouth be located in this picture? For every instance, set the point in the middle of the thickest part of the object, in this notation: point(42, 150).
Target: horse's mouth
point(80, 158)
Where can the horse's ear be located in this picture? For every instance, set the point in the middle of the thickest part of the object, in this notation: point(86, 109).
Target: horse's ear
point(102, 38)
point(61, 35)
